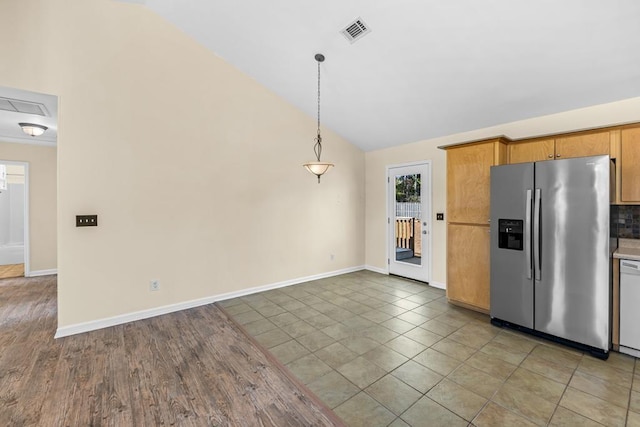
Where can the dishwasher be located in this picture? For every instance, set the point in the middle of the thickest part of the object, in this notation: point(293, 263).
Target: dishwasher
point(630, 307)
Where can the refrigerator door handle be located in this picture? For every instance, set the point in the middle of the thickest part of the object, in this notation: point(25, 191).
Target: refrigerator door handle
point(527, 234)
point(536, 235)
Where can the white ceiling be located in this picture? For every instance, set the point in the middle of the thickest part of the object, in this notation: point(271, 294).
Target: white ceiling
point(429, 67)
point(10, 131)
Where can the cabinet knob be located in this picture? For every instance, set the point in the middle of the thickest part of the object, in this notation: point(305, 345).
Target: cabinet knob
point(557, 155)
point(551, 156)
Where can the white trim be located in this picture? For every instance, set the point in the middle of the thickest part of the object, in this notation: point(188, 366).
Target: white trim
point(376, 269)
point(438, 285)
point(28, 140)
point(27, 224)
point(37, 273)
point(158, 311)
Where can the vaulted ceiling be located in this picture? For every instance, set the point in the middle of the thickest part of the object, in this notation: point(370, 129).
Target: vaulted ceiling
point(427, 68)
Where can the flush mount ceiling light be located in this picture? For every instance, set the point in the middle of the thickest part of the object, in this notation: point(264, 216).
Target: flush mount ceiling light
point(32, 129)
point(318, 167)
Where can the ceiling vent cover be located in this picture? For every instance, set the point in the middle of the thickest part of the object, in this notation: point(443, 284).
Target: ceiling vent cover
point(27, 107)
point(356, 30)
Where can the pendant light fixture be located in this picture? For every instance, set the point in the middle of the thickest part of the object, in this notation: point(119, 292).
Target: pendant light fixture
point(318, 167)
point(32, 129)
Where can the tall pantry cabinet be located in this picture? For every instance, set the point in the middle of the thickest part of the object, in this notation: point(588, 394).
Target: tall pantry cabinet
point(468, 186)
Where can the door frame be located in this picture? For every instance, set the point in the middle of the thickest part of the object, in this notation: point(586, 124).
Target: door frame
point(27, 249)
point(428, 194)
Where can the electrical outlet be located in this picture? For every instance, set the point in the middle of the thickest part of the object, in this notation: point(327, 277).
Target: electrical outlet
point(154, 285)
point(86, 220)
point(439, 217)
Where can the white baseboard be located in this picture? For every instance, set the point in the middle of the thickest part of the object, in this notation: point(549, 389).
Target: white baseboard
point(376, 269)
point(438, 285)
point(158, 311)
point(37, 273)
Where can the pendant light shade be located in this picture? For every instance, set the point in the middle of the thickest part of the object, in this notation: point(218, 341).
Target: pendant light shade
point(318, 167)
point(32, 129)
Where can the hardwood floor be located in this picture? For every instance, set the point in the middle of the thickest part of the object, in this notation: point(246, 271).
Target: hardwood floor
point(193, 367)
point(11, 270)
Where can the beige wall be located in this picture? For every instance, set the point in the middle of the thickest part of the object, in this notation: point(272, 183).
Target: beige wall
point(193, 168)
point(376, 161)
point(42, 201)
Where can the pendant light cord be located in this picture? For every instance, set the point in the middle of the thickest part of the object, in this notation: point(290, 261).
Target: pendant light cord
point(317, 148)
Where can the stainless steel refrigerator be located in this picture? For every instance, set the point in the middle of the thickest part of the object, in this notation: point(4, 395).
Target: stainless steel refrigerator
point(550, 257)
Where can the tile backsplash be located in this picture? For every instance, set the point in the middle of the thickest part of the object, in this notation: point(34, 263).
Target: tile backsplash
point(625, 221)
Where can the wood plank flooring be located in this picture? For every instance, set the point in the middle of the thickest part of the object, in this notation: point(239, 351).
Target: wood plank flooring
point(191, 368)
point(11, 270)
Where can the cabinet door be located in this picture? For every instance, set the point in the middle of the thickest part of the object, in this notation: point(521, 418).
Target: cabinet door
point(468, 265)
point(591, 144)
point(468, 173)
point(531, 151)
point(630, 165)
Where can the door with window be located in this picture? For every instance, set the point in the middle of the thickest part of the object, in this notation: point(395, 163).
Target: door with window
point(409, 216)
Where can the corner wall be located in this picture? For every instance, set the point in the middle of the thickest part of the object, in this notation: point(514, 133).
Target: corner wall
point(610, 114)
point(193, 168)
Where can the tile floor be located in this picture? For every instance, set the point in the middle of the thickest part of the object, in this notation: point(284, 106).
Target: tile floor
point(383, 351)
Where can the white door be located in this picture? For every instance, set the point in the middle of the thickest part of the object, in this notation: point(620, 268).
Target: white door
point(409, 216)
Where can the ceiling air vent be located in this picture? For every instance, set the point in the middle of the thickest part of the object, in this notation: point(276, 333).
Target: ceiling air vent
point(356, 30)
point(17, 106)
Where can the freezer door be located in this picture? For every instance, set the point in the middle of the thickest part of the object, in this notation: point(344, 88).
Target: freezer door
point(511, 264)
point(572, 290)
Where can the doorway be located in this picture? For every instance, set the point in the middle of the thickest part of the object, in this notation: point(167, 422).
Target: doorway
point(14, 219)
point(409, 220)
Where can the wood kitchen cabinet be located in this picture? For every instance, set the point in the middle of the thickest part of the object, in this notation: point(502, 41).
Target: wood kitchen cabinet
point(468, 198)
point(578, 145)
point(629, 164)
point(468, 265)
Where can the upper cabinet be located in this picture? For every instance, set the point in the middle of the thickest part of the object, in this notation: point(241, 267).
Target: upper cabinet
point(580, 145)
point(468, 180)
point(630, 165)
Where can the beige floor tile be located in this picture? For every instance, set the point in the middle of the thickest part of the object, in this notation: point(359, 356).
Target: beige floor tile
point(259, 327)
point(385, 358)
point(333, 389)
point(298, 329)
point(320, 321)
point(337, 331)
point(336, 355)
point(525, 404)
point(391, 309)
point(376, 316)
point(542, 387)
point(517, 342)
point(604, 389)
point(494, 415)
point(593, 407)
point(289, 351)
point(315, 340)
point(634, 402)
point(304, 313)
point(399, 423)
point(406, 304)
point(380, 334)
point(363, 411)
point(359, 345)
point(271, 310)
point(566, 418)
point(491, 365)
point(308, 368)
point(475, 380)
point(547, 368)
point(426, 412)
point(600, 368)
point(470, 337)
point(437, 361)
point(454, 349)
point(427, 311)
point(283, 319)
point(405, 346)
point(417, 376)
point(633, 419)
point(394, 394)
point(457, 399)
point(504, 352)
point(238, 308)
point(361, 372)
point(273, 338)
point(413, 318)
point(452, 319)
point(440, 328)
point(248, 317)
point(398, 325)
point(556, 355)
point(424, 337)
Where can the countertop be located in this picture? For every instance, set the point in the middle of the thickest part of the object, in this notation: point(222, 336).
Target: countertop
point(628, 249)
